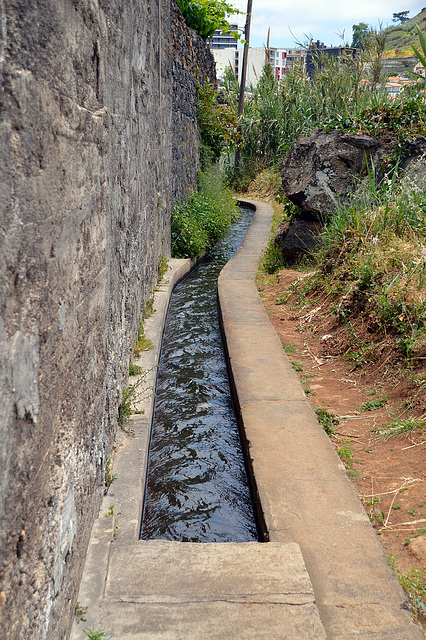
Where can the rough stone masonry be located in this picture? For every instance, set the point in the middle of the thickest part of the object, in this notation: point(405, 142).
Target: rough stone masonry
point(89, 165)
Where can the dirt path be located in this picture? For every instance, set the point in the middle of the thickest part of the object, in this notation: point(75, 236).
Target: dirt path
point(389, 475)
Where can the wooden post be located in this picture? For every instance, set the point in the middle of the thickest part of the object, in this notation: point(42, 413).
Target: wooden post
point(243, 79)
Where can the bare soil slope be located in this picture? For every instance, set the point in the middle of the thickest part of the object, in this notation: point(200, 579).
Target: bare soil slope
point(389, 475)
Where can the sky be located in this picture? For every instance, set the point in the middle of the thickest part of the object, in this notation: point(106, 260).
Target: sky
point(324, 20)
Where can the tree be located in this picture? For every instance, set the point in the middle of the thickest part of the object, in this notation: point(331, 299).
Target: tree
point(400, 17)
point(360, 34)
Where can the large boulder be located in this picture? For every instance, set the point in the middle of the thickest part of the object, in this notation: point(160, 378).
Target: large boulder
point(414, 164)
point(298, 236)
point(324, 168)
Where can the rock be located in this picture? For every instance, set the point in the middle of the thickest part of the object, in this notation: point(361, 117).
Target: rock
point(414, 164)
point(325, 167)
point(418, 548)
point(299, 236)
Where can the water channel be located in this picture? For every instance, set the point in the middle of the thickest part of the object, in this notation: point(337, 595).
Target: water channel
point(197, 488)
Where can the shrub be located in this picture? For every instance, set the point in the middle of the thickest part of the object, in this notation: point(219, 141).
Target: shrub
point(218, 125)
point(205, 217)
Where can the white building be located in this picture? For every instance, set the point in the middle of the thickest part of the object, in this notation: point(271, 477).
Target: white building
point(221, 40)
point(280, 60)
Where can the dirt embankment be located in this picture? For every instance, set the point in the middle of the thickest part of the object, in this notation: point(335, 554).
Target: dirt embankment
point(389, 474)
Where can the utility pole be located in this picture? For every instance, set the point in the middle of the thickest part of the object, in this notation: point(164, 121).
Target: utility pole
point(243, 79)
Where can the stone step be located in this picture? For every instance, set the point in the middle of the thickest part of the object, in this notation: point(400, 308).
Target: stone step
point(190, 591)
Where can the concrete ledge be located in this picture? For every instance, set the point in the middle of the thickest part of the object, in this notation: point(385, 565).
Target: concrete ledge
point(304, 493)
point(126, 494)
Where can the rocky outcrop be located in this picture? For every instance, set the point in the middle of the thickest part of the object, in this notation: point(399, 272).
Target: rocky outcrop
point(324, 168)
point(413, 165)
point(298, 236)
point(320, 171)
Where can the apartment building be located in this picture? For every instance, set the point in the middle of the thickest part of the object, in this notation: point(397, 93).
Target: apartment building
point(220, 40)
point(279, 59)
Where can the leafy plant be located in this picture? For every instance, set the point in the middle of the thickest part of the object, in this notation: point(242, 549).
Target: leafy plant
point(163, 265)
point(135, 369)
point(296, 365)
point(148, 309)
point(142, 343)
point(205, 16)
point(420, 55)
point(345, 453)
point(80, 612)
point(372, 405)
point(327, 420)
point(96, 634)
point(289, 348)
point(205, 217)
point(129, 396)
point(414, 585)
point(218, 123)
point(272, 259)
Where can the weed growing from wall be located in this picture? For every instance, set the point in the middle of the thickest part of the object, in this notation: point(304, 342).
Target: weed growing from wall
point(142, 343)
point(109, 476)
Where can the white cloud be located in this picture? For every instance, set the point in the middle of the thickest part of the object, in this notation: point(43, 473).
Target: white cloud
point(322, 20)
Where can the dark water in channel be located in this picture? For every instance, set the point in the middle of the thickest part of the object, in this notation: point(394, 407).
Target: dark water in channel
point(197, 487)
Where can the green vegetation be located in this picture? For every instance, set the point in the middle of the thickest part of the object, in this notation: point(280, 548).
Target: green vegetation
point(398, 37)
point(400, 427)
point(346, 453)
point(414, 585)
point(345, 93)
point(96, 634)
point(109, 477)
point(130, 395)
point(327, 420)
point(80, 612)
point(149, 310)
point(142, 343)
point(218, 125)
point(373, 266)
point(372, 405)
point(110, 513)
point(135, 369)
point(205, 217)
point(205, 16)
point(163, 265)
point(276, 114)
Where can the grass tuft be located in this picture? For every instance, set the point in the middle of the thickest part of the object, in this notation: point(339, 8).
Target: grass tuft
point(399, 427)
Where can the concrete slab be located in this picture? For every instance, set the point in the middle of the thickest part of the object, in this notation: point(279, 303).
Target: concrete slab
point(193, 591)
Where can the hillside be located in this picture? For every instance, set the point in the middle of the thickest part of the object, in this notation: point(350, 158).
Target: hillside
point(399, 36)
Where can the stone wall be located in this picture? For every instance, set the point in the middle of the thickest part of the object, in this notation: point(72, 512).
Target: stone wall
point(192, 63)
point(86, 187)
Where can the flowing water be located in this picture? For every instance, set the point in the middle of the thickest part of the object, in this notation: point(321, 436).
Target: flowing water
point(197, 487)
